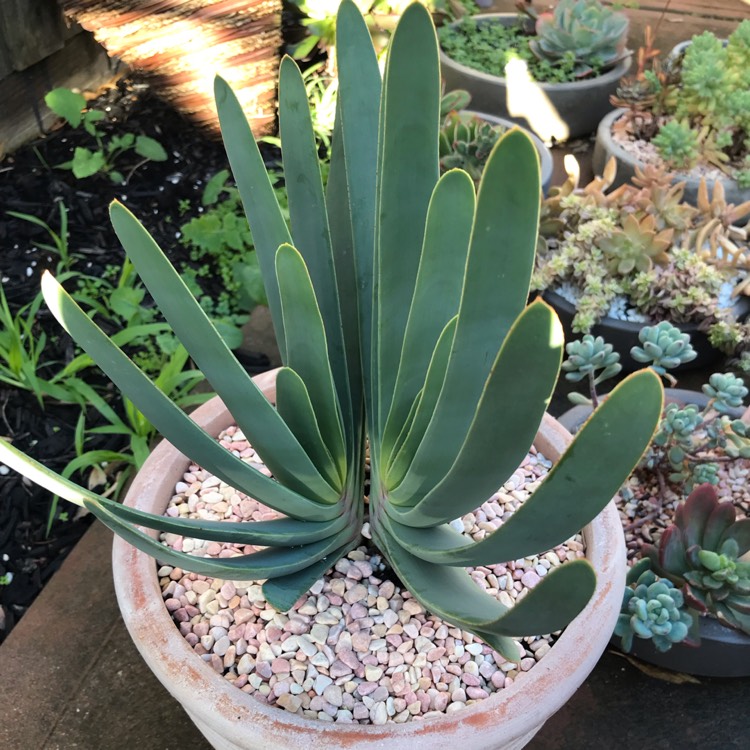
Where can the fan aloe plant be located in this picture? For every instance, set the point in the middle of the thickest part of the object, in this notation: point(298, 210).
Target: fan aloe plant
point(398, 301)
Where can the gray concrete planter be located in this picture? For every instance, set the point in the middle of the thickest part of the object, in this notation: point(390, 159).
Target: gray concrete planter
point(606, 147)
point(231, 719)
point(545, 157)
point(580, 104)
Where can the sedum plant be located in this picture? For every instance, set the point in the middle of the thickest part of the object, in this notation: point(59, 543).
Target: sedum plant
point(701, 553)
point(466, 141)
point(398, 300)
point(641, 253)
point(694, 107)
point(690, 439)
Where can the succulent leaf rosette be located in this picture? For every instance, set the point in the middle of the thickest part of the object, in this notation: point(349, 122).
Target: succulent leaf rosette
point(701, 554)
point(398, 300)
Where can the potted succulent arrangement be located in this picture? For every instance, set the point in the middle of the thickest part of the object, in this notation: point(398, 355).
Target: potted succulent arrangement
point(689, 112)
point(687, 600)
point(414, 382)
point(573, 57)
point(467, 138)
point(611, 261)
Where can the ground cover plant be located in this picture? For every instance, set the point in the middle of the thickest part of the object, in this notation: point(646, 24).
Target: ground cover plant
point(50, 220)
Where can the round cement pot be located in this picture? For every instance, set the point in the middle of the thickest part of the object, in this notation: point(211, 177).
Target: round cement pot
point(623, 334)
point(606, 147)
point(580, 104)
point(233, 720)
point(723, 651)
point(545, 157)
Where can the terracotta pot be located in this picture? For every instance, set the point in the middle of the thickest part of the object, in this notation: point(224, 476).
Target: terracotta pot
point(723, 652)
point(580, 104)
point(606, 147)
point(233, 720)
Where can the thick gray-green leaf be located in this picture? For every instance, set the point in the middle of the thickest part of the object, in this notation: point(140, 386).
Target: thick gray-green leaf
point(510, 410)
point(307, 210)
point(409, 170)
point(359, 104)
point(579, 486)
point(437, 291)
point(256, 417)
point(172, 422)
point(308, 350)
point(294, 405)
point(259, 200)
point(498, 271)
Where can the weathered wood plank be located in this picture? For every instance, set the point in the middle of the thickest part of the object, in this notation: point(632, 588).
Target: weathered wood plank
point(81, 64)
point(30, 30)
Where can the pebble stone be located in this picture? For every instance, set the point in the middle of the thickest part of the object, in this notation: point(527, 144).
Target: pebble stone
point(355, 648)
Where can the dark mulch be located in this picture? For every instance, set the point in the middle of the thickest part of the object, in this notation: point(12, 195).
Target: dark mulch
point(30, 183)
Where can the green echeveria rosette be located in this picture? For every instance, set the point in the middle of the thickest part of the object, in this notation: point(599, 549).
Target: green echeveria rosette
point(653, 609)
point(590, 356)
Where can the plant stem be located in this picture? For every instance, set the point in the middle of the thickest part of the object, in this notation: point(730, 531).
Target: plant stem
point(592, 391)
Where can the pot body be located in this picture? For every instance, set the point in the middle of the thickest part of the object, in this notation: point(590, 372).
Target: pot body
point(233, 720)
point(580, 104)
point(723, 651)
point(606, 147)
point(545, 156)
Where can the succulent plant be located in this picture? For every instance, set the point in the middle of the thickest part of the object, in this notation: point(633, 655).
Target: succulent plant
point(726, 391)
point(466, 142)
point(637, 246)
point(453, 101)
point(690, 439)
point(698, 102)
point(664, 347)
point(700, 552)
point(592, 33)
point(595, 240)
point(678, 144)
point(652, 609)
point(399, 309)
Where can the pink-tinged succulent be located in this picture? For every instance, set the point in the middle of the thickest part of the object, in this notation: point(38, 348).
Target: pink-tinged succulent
point(702, 552)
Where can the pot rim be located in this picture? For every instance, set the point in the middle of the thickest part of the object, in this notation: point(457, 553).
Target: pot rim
point(515, 710)
point(613, 74)
point(604, 136)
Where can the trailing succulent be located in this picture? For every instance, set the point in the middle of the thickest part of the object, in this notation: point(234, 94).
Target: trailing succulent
point(592, 34)
point(398, 301)
point(689, 440)
point(642, 253)
point(653, 609)
point(701, 554)
point(695, 106)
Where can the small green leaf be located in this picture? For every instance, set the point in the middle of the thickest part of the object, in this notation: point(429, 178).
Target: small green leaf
point(86, 163)
point(67, 104)
point(149, 148)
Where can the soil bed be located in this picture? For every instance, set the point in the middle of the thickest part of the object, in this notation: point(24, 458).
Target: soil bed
point(30, 184)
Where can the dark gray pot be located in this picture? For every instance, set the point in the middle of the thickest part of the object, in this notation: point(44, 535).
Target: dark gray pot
point(545, 157)
point(623, 334)
point(724, 652)
point(605, 148)
point(580, 104)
